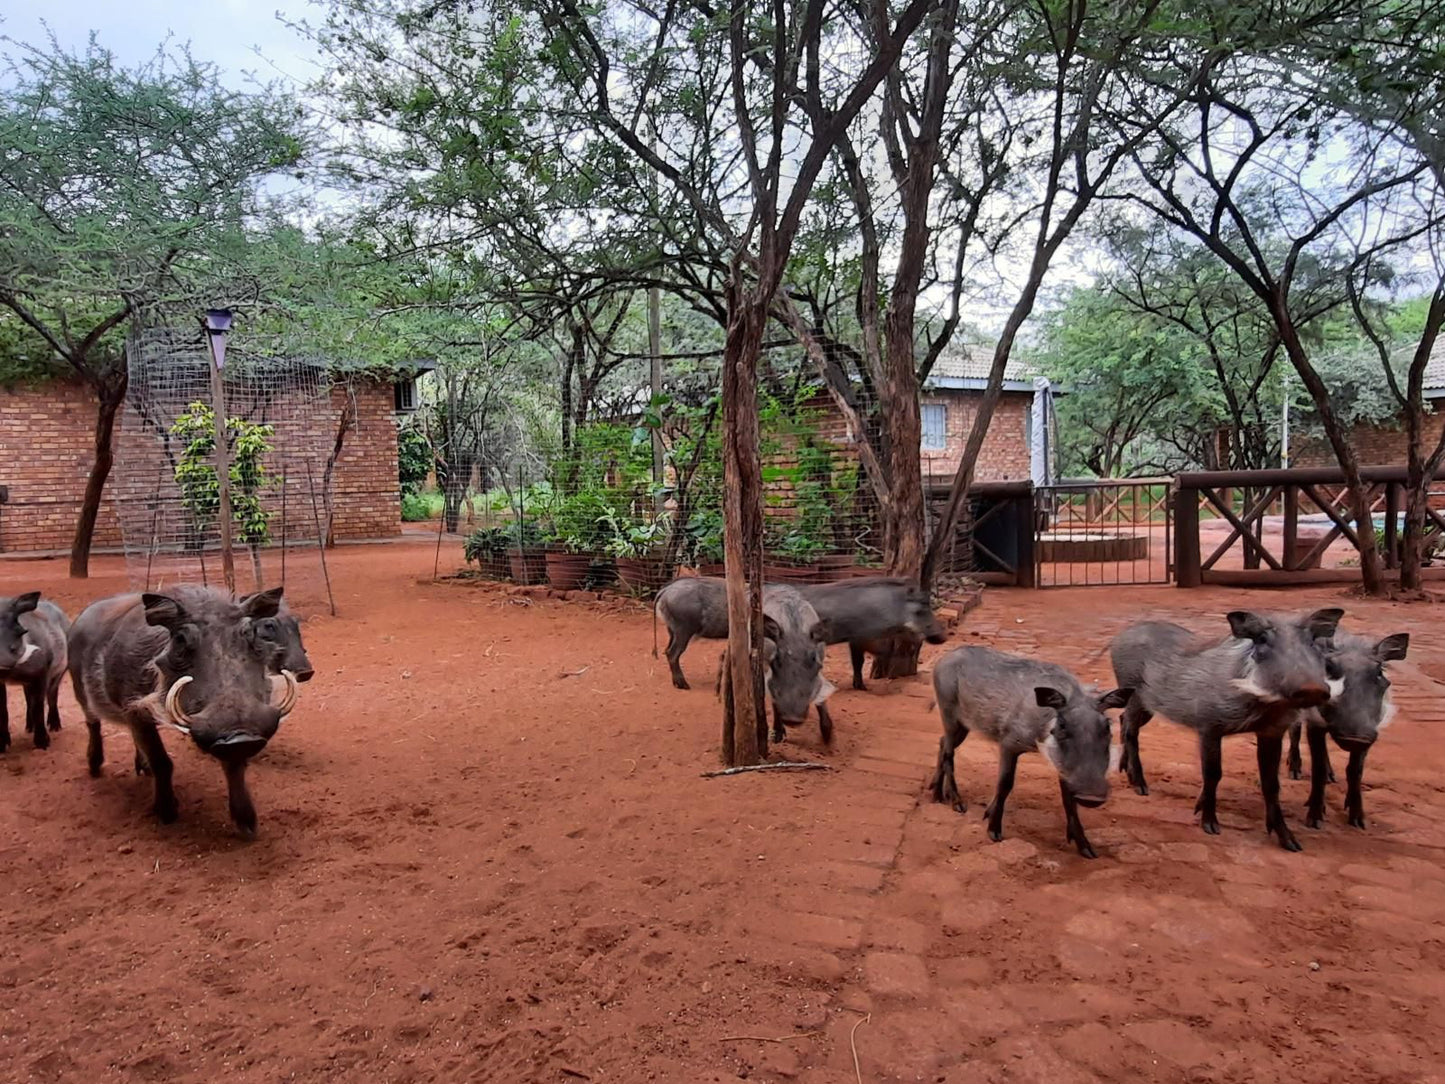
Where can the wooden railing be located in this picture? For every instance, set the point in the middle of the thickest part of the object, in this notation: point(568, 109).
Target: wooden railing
point(1264, 495)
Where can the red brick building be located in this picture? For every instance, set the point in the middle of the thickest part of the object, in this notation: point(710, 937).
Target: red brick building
point(1383, 445)
point(46, 438)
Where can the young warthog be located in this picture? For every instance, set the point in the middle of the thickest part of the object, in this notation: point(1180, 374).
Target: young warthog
point(32, 655)
point(865, 610)
point(689, 606)
point(858, 612)
point(192, 660)
point(1254, 681)
point(1024, 705)
point(1354, 716)
point(793, 644)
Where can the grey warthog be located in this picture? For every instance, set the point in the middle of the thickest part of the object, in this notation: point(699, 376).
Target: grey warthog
point(1025, 705)
point(689, 606)
point(1358, 709)
point(283, 630)
point(1255, 681)
point(860, 612)
point(32, 655)
point(192, 660)
point(794, 640)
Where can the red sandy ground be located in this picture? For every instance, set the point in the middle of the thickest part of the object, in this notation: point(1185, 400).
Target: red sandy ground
point(486, 854)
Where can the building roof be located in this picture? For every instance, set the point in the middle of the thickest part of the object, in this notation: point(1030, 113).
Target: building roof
point(1435, 371)
point(966, 367)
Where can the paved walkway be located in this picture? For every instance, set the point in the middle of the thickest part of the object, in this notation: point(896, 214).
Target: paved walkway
point(1174, 956)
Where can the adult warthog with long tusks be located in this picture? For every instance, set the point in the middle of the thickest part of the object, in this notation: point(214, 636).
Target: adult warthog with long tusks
point(191, 660)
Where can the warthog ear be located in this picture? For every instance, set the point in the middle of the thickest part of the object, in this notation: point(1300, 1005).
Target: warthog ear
point(1323, 623)
point(1116, 699)
point(1393, 647)
point(164, 611)
point(1247, 626)
point(822, 632)
point(23, 604)
point(1050, 698)
point(262, 603)
point(771, 629)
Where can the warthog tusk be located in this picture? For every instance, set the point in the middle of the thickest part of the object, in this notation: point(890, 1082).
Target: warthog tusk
point(288, 701)
point(178, 717)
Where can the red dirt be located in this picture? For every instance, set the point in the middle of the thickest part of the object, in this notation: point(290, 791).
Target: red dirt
point(480, 861)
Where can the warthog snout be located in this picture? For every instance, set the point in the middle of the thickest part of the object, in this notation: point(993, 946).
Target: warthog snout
point(1091, 801)
point(1310, 696)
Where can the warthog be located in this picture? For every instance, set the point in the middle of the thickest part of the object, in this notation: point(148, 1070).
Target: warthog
point(858, 612)
point(283, 630)
point(1254, 681)
point(863, 611)
point(1355, 714)
point(689, 606)
point(192, 660)
point(1025, 705)
point(794, 640)
point(32, 655)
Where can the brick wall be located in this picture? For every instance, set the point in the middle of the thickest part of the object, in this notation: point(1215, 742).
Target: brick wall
point(45, 454)
point(1377, 446)
point(1005, 453)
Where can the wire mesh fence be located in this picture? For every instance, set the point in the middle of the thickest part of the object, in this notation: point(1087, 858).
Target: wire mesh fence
point(165, 484)
point(630, 501)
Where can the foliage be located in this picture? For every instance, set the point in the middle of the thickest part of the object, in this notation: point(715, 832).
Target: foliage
point(486, 542)
point(419, 507)
point(195, 472)
point(413, 459)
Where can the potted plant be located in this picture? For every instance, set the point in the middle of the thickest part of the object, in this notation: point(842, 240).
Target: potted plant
point(704, 541)
point(637, 549)
point(487, 548)
point(795, 557)
point(579, 531)
point(526, 554)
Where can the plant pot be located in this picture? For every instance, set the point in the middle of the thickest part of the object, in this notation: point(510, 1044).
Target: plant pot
point(566, 571)
point(788, 572)
point(640, 575)
point(495, 566)
point(528, 565)
point(835, 567)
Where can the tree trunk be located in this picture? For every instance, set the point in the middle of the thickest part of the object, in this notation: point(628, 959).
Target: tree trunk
point(110, 399)
point(1371, 574)
point(903, 527)
point(745, 736)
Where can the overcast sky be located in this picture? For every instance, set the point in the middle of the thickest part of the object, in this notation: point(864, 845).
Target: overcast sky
point(226, 32)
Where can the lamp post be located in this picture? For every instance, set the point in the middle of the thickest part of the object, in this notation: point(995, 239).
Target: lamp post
point(217, 323)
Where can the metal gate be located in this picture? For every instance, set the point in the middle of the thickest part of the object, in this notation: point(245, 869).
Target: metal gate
point(1093, 532)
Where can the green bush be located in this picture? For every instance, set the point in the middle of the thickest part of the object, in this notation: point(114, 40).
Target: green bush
point(416, 507)
point(413, 461)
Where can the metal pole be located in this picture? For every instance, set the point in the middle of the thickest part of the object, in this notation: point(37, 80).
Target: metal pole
point(283, 524)
point(654, 345)
point(1284, 421)
point(320, 541)
point(223, 468)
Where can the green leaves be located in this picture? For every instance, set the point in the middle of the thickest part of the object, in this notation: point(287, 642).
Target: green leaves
point(195, 472)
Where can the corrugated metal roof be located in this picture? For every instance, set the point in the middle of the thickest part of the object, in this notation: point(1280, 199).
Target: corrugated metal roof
point(967, 365)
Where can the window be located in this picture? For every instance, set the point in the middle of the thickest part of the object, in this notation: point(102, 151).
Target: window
point(935, 426)
point(405, 395)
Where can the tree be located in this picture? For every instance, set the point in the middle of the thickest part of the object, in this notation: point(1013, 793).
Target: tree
point(1275, 144)
point(1071, 68)
point(117, 186)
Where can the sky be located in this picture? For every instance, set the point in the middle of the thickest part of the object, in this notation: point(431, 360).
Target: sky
point(225, 32)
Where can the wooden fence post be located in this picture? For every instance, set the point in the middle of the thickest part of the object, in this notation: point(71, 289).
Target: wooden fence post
point(1187, 572)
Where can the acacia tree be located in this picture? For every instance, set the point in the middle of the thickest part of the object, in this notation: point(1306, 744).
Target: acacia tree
point(115, 185)
point(1261, 153)
point(1074, 66)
